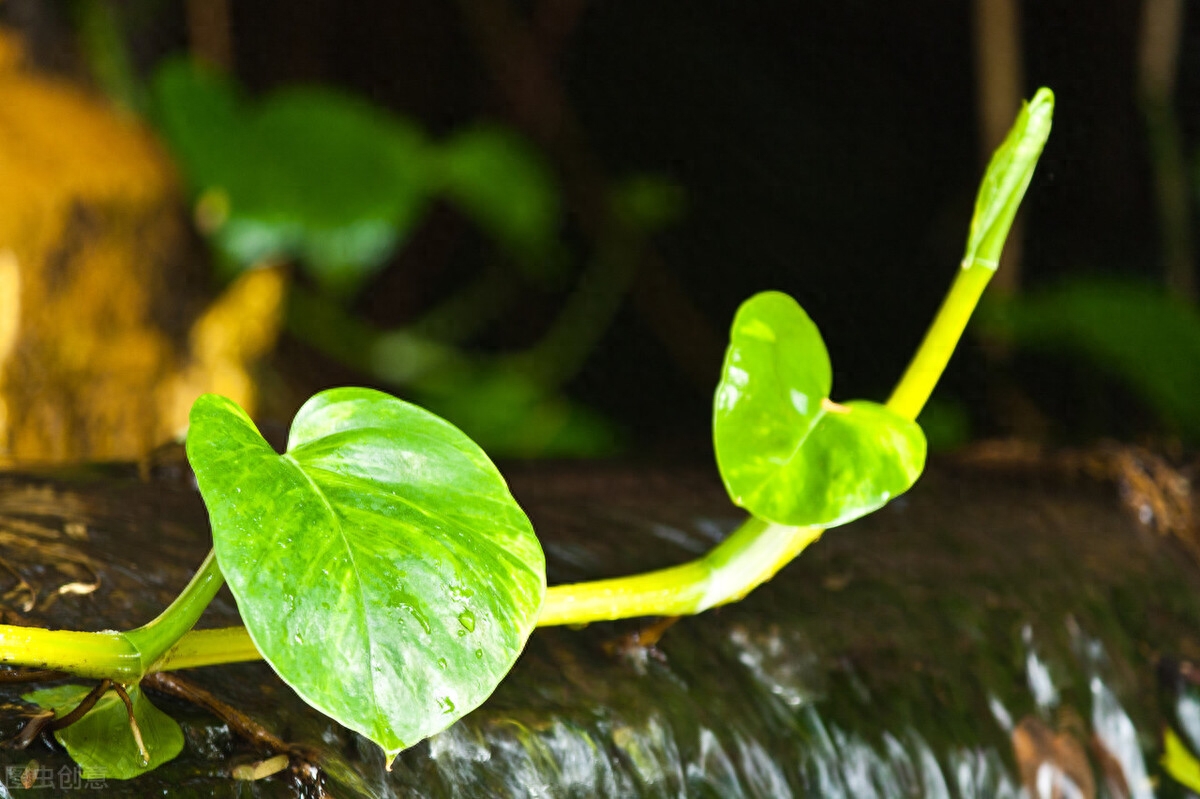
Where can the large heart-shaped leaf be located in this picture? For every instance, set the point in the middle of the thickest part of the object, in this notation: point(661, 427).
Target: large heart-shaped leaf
point(102, 742)
point(786, 453)
point(381, 565)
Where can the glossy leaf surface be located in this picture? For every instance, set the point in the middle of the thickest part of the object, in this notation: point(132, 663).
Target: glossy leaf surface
point(381, 565)
point(786, 453)
point(102, 742)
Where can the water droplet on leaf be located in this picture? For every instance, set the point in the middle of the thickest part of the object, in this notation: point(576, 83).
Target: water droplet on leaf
point(467, 620)
point(420, 617)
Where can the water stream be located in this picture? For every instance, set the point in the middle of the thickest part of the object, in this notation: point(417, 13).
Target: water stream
point(984, 637)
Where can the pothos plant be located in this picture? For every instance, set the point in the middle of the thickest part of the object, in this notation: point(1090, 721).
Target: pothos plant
point(384, 571)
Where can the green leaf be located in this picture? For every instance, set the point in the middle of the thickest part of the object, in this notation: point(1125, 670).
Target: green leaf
point(197, 112)
point(648, 203)
point(102, 742)
point(1006, 179)
point(381, 565)
point(786, 453)
point(502, 183)
point(1132, 331)
point(309, 174)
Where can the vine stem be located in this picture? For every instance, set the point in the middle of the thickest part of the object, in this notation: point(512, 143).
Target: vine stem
point(750, 556)
point(153, 639)
point(926, 367)
point(124, 657)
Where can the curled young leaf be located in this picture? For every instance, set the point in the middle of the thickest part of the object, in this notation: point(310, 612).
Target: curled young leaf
point(381, 565)
point(786, 452)
point(1006, 179)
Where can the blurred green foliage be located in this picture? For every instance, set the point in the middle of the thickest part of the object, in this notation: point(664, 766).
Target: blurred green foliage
point(494, 176)
point(1134, 332)
point(647, 202)
point(946, 424)
point(334, 184)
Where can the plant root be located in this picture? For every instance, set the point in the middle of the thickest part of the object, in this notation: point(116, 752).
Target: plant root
point(31, 731)
point(133, 725)
point(637, 647)
point(31, 675)
point(82, 708)
point(304, 762)
point(44, 721)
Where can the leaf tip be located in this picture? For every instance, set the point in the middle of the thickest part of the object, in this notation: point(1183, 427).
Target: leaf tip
point(1042, 101)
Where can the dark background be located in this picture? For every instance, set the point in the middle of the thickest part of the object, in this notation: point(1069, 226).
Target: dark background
point(827, 150)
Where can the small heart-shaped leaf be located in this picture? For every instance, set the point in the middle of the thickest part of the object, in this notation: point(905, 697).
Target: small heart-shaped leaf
point(786, 452)
point(381, 565)
point(103, 742)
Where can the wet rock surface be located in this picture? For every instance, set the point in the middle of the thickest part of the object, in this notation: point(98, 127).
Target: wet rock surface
point(982, 634)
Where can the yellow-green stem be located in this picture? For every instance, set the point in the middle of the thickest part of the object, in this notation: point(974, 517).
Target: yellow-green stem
point(750, 556)
point(926, 367)
point(738, 565)
point(209, 648)
point(156, 637)
point(105, 654)
point(745, 560)
point(124, 657)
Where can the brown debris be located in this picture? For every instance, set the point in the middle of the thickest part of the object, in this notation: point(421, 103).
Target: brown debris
point(1158, 495)
point(28, 545)
point(637, 647)
point(261, 769)
point(1111, 770)
point(1046, 758)
point(302, 760)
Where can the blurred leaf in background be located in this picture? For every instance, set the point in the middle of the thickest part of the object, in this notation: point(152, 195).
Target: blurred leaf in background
point(308, 175)
point(946, 424)
point(323, 180)
point(1134, 332)
point(318, 177)
point(648, 202)
point(509, 413)
point(498, 180)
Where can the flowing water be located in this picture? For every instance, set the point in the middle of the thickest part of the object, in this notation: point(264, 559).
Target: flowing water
point(982, 637)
